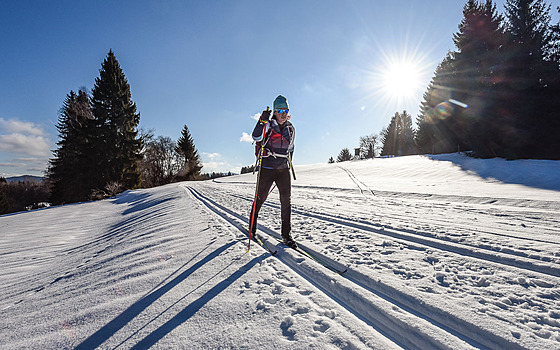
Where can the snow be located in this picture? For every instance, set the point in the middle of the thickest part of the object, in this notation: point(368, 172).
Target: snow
point(440, 252)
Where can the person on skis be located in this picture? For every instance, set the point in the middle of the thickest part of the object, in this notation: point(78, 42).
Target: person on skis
point(278, 150)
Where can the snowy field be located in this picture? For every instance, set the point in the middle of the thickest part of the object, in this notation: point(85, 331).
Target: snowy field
point(438, 252)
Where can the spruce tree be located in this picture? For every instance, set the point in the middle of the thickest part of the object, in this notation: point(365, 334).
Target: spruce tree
point(433, 134)
point(116, 147)
point(531, 103)
point(398, 137)
point(186, 147)
point(69, 168)
point(4, 203)
point(478, 76)
point(344, 155)
point(460, 109)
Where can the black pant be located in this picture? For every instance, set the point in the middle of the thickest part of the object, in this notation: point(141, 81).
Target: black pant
point(284, 184)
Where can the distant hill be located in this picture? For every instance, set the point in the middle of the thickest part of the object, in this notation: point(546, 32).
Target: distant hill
point(25, 178)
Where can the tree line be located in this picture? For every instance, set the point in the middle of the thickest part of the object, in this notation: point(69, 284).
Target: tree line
point(22, 195)
point(496, 95)
point(101, 151)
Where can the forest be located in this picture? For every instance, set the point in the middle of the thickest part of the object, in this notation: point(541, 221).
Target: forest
point(495, 95)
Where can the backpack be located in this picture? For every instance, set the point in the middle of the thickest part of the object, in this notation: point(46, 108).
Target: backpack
point(259, 144)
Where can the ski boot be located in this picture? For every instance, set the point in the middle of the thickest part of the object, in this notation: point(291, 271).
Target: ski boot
point(254, 235)
point(289, 241)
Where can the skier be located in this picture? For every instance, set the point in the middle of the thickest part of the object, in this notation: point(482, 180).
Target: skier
point(278, 149)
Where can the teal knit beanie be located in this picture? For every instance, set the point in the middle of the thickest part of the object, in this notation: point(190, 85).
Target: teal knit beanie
point(280, 102)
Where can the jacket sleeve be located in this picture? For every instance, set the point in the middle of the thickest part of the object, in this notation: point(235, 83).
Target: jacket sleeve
point(292, 140)
point(258, 131)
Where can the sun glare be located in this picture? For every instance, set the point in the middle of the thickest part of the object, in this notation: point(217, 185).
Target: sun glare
point(397, 77)
point(401, 80)
point(398, 80)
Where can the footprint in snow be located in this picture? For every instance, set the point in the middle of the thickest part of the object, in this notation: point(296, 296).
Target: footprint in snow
point(266, 304)
point(277, 290)
point(285, 326)
point(321, 326)
point(267, 281)
point(300, 310)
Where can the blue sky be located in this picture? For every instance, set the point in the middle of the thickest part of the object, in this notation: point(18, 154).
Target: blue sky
point(214, 65)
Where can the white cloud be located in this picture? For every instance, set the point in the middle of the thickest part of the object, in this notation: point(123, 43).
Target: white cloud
point(256, 116)
point(28, 142)
point(23, 138)
point(211, 155)
point(12, 165)
point(246, 138)
point(19, 127)
point(213, 162)
point(17, 143)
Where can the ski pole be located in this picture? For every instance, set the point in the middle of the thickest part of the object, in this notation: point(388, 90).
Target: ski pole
point(257, 189)
point(291, 165)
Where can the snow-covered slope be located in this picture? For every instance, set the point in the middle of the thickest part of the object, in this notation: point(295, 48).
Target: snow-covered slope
point(441, 252)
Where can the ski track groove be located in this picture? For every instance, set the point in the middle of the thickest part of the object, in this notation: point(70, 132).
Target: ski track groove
point(461, 331)
point(443, 205)
point(510, 258)
point(364, 189)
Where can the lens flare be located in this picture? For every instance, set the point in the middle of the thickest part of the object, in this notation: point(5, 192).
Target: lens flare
point(444, 110)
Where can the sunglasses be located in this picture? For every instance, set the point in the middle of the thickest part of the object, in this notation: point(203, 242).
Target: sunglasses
point(282, 111)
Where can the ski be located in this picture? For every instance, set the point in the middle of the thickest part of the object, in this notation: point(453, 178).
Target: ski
point(261, 243)
point(319, 260)
point(315, 258)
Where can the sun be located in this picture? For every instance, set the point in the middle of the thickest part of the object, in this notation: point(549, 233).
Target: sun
point(395, 78)
point(401, 79)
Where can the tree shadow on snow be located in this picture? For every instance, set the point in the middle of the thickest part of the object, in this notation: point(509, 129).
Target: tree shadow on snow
point(139, 306)
point(140, 201)
point(196, 305)
point(544, 174)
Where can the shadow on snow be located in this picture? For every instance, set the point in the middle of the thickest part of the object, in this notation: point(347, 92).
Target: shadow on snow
point(139, 306)
point(543, 174)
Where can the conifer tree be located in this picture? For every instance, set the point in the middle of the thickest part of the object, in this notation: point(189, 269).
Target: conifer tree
point(532, 103)
point(433, 135)
point(344, 155)
point(398, 137)
point(4, 204)
point(69, 169)
point(186, 147)
point(116, 148)
point(478, 76)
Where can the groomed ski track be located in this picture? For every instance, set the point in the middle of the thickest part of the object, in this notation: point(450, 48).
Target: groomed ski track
point(358, 294)
point(473, 244)
point(412, 262)
point(404, 318)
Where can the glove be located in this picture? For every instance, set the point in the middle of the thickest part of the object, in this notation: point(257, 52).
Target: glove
point(265, 116)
